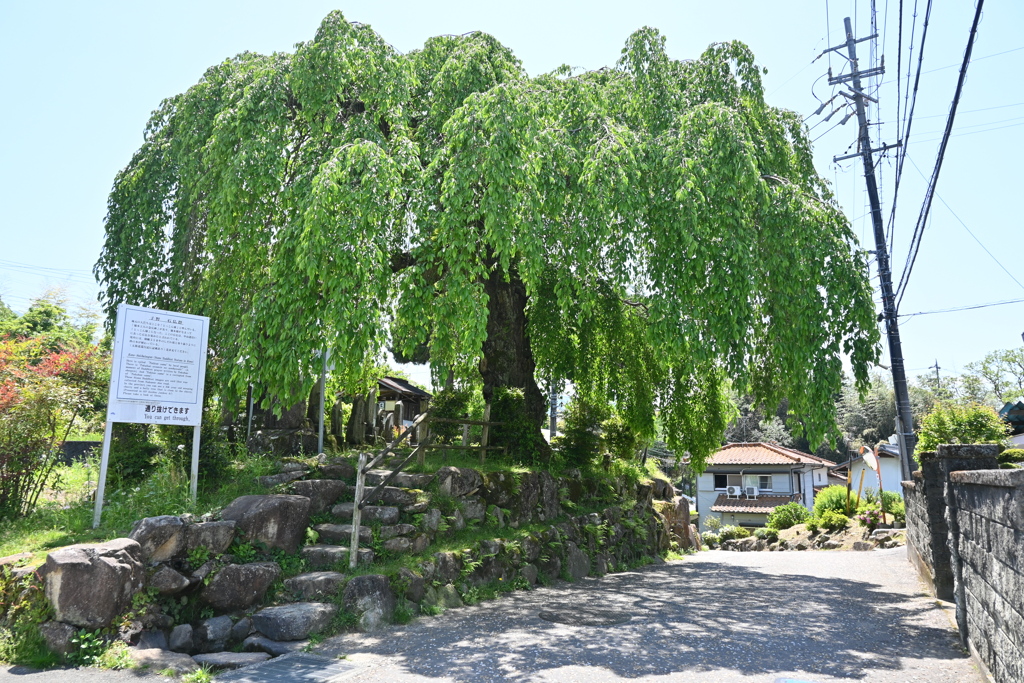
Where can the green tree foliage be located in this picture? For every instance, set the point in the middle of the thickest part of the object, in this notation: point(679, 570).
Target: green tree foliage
point(787, 515)
point(644, 231)
point(834, 498)
point(956, 423)
point(1002, 372)
point(48, 322)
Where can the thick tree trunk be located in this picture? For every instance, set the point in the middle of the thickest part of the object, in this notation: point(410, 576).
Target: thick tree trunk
point(507, 355)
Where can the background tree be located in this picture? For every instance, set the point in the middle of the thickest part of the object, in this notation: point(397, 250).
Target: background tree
point(957, 423)
point(645, 230)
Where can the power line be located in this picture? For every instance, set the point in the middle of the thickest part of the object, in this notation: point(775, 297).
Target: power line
point(915, 240)
point(957, 309)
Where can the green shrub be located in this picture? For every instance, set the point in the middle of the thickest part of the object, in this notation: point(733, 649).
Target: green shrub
point(767, 534)
point(954, 423)
point(1011, 458)
point(730, 532)
point(785, 516)
point(812, 525)
point(713, 523)
point(580, 442)
point(451, 404)
point(132, 452)
point(620, 440)
point(711, 539)
point(518, 433)
point(834, 521)
point(834, 498)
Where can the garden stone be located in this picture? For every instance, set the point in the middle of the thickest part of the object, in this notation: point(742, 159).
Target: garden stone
point(531, 549)
point(294, 621)
point(230, 660)
point(181, 639)
point(241, 630)
point(292, 467)
point(500, 488)
point(392, 495)
point(167, 581)
point(552, 568)
point(420, 543)
point(155, 659)
point(443, 597)
point(371, 599)
point(324, 556)
point(457, 521)
point(91, 584)
point(58, 637)
point(863, 545)
point(204, 570)
point(406, 480)
point(215, 536)
point(600, 567)
point(449, 567)
point(239, 586)
point(387, 532)
point(432, 520)
point(161, 538)
point(416, 585)
point(314, 585)
point(322, 493)
point(576, 562)
point(831, 545)
point(371, 513)
point(211, 635)
point(458, 481)
point(473, 508)
point(278, 521)
point(342, 533)
point(271, 480)
point(529, 572)
point(274, 648)
point(416, 509)
point(339, 470)
point(397, 545)
point(149, 640)
point(800, 545)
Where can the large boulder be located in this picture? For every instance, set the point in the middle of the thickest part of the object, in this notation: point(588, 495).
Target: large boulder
point(371, 599)
point(215, 536)
point(322, 493)
point(577, 563)
point(385, 514)
point(326, 556)
point(239, 586)
point(458, 481)
point(58, 637)
point(89, 585)
point(392, 495)
point(161, 538)
point(211, 635)
point(156, 659)
point(407, 480)
point(294, 621)
point(181, 639)
point(342, 533)
point(166, 581)
point(278, 521)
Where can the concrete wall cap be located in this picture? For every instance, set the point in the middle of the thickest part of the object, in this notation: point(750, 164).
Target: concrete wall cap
point(967, 450)
point(1003, 478)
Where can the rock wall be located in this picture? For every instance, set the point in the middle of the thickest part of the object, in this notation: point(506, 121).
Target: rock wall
point(965, 523)
point(213, 585)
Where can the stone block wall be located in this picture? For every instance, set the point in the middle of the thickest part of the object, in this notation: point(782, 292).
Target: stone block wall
point(925, 497)
point(986, 518)
point(965, 533)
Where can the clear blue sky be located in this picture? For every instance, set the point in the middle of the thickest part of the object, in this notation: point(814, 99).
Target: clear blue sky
point(80, 79)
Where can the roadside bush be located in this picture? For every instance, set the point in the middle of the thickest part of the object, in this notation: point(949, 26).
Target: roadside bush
point(869, 517)
point(1011, 458)
point(834, 498)
point(954, 423)
point(451, 404)
point(834, 521)
point(730, 532)
point(713, 523)
point(785, 516)
point(813, 524)
point(711, 539)
point(767, 534)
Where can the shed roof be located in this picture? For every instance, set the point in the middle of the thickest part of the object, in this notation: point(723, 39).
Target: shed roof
point(761, 453)
point(400, 386)
point(762, 505)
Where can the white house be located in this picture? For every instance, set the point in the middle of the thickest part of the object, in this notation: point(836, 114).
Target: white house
point(888, 467)
point(745, 482)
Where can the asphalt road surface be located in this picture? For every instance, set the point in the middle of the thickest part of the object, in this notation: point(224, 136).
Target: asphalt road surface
point(715, 617)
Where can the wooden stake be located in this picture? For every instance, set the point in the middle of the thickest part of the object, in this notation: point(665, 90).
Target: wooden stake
point(486, 432)
point(357, 513)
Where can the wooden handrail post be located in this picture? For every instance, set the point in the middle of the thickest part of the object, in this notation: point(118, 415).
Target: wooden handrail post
point(357, 511)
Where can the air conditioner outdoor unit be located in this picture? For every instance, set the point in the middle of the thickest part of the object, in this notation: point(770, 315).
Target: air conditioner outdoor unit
point(732, 491)
point(751, 492)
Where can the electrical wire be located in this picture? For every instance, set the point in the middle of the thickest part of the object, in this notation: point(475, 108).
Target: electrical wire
point(915, 240)
point(962, 308)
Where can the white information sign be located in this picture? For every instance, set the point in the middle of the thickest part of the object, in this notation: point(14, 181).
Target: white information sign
point(157, 377)
point(159, 367)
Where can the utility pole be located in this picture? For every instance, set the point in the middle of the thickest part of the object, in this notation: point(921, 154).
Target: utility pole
point(937, 368)
point(905, 421)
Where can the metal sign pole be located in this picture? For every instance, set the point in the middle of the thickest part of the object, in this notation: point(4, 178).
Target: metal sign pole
point(195, 461)
point(102, 483)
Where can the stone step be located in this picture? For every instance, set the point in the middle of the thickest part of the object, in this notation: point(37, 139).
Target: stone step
point(391, 495)
point(403, 479)
point(371, 513)
point(313, 585)
point(342, 533)
point(321, 556)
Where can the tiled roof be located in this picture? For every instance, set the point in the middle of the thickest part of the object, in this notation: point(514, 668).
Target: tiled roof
point(762, 454)
point(400, 386)
point(761, 505)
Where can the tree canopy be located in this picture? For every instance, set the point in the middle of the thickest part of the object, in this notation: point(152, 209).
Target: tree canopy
point(649, 231)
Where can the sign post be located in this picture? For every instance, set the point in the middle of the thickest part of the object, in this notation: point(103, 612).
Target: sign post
point(157, 378)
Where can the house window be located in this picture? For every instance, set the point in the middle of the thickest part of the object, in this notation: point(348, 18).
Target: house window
point(724, 480)
point(765, 482)
point(761, 482)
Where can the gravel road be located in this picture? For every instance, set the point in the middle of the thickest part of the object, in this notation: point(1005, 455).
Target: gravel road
point(716, 617)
